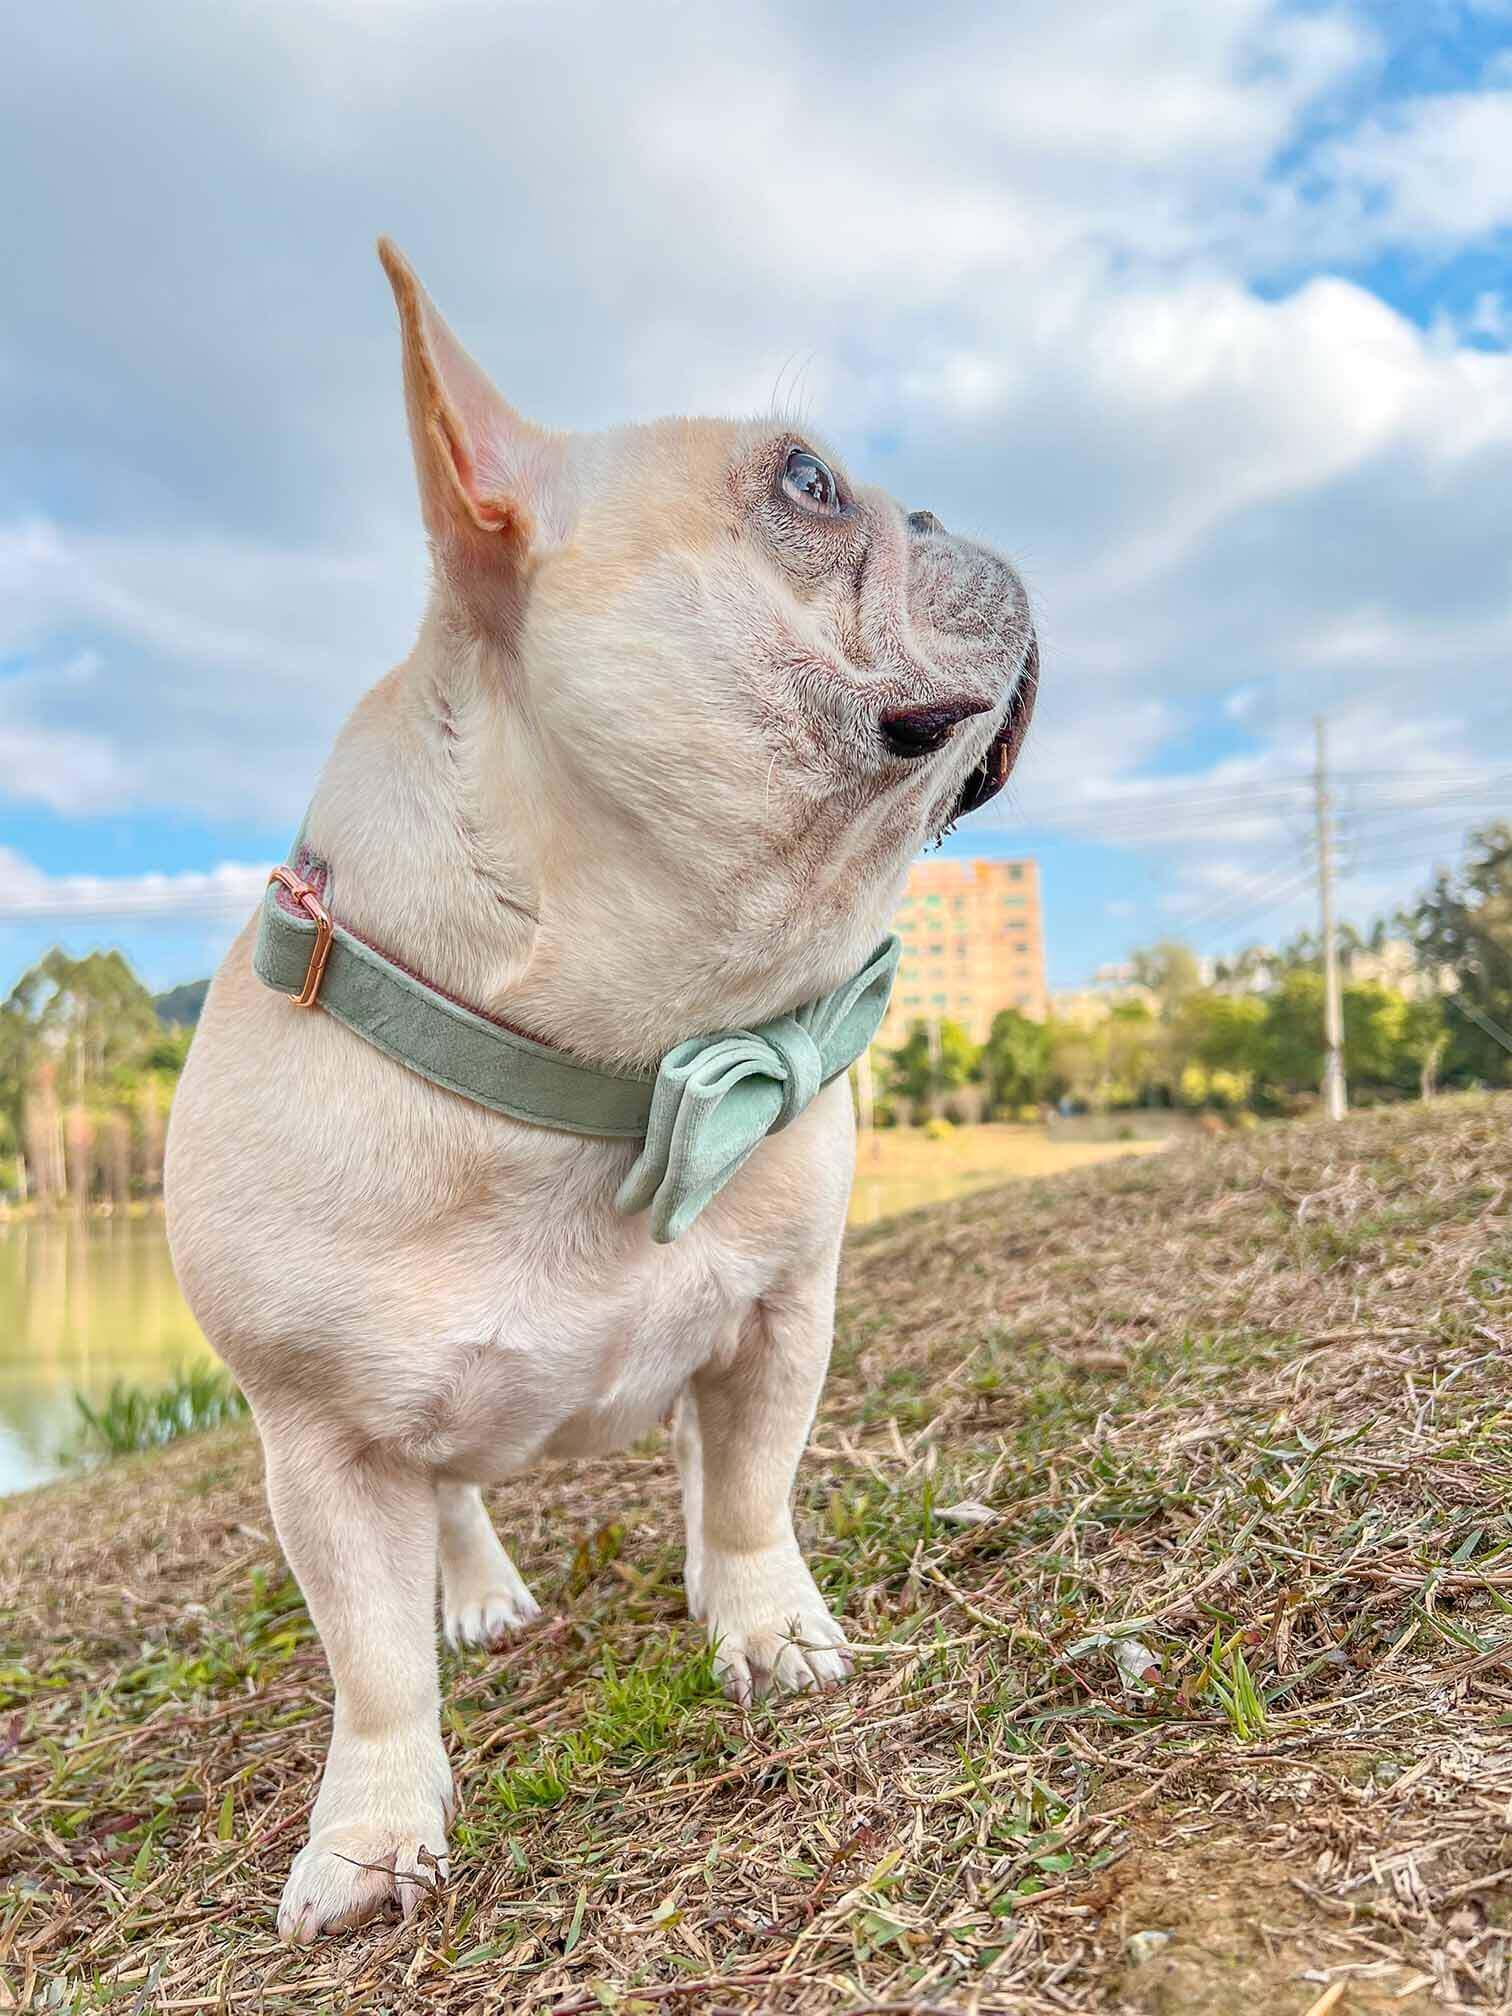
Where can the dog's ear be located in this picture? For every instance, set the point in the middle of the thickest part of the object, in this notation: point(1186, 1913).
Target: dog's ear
point(492, 486)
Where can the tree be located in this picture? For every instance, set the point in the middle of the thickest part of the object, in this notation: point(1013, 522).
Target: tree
point(91, 1015)
point(82, 1055)
point(1293, 1036)
point(1171, 972)
point(1464, 925)
point(1131, 1038)
point(914, 1072)
point(1425, 1038)
point(1249, 968)
point(1375, 1023)
point(1015, 1062)
point(1224, 1032)
point(1114, 1062)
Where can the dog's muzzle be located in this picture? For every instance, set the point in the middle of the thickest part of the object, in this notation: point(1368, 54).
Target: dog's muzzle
point(993, 772)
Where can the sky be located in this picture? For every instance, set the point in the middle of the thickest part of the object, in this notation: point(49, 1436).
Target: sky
point(1202, 313)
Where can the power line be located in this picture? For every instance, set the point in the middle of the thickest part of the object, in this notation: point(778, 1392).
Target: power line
point(1444, 806)
point(1237, 902)
point(1242, 918)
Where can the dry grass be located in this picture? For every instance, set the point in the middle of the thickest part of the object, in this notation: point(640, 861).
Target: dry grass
point(1246, 1403)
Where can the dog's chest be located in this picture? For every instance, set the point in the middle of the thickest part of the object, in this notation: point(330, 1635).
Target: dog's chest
point(567, 1330)
point(580, 1361)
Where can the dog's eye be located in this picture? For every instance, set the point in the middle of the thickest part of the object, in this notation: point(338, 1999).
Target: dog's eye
point(811, 484)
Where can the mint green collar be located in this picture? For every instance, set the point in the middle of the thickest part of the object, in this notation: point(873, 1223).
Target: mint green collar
point(706, 1109)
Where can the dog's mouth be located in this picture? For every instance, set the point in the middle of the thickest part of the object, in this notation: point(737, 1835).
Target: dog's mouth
point(995, 768)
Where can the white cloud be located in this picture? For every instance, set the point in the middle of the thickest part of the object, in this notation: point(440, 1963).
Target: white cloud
point(29, 894)
point(1430, 170)
point(1009, 256)
point(224, 669)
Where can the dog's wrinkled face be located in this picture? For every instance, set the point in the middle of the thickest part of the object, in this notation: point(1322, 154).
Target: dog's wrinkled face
point(851, 663)
point(762, 684)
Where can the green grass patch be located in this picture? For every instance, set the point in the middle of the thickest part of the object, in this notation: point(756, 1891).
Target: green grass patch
point(635, 1713)
point(132, 1418)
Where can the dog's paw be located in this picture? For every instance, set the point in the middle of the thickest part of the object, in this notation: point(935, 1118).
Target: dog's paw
point(345, 1875)
point(489, 1616)
point(770, 1628)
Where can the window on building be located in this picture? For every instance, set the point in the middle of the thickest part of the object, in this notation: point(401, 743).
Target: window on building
point(1015, 871)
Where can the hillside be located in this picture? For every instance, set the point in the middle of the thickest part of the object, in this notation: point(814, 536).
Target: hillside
point(1245, 1403)
point(180, 1007)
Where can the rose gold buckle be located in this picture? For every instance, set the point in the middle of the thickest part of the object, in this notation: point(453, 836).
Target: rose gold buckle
point(307, 899)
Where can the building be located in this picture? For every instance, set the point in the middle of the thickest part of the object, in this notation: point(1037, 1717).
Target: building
point(973, 943)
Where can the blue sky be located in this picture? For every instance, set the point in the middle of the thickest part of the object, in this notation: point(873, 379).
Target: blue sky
point(1203, 313)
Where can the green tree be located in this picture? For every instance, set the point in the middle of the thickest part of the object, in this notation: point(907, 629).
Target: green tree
point(1015, 1062)
point(1131, 1050)
point(91, 1015)
point(1223, 1032)
point(1425, 1038)
point(916, 1073)
point(1292, 1046)
point(1108, 1063)
point(1171, 972)
point(1375, 1028)
point(1464, 924)
point(82, 1057)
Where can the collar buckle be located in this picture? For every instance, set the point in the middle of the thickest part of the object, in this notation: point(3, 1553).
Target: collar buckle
point(309, 901)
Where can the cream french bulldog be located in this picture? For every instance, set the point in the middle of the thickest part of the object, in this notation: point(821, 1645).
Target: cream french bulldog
point(685, 704)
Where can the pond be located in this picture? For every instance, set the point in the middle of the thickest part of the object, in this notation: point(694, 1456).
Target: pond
point(85, 1302)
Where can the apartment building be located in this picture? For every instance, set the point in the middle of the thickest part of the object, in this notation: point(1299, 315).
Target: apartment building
point(973, 943)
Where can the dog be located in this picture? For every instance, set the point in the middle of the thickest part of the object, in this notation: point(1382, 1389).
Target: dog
point(685, 703)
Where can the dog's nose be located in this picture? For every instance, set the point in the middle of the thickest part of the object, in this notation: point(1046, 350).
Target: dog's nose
point(924, 521)
point(919, 731)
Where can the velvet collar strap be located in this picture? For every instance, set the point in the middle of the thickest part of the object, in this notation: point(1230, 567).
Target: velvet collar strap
point(698, 1117)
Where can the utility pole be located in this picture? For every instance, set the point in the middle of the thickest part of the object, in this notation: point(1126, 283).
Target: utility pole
point(1335, 1097)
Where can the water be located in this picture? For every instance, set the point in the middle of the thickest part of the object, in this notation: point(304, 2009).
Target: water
point(82, 1304)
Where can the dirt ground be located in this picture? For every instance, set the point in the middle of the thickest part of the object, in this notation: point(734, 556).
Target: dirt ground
point(1169, 1504)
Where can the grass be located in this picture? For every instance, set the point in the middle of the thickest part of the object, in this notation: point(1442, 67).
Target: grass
point(1226, 1659)
point(134, 1418)
point(901, 1168)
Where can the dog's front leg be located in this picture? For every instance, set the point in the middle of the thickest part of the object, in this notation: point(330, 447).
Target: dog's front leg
point(360, 1536)
point(740, 1431)
point(484, 1600)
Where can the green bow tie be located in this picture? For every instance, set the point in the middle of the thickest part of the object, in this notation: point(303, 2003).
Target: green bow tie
point(708, 1107)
